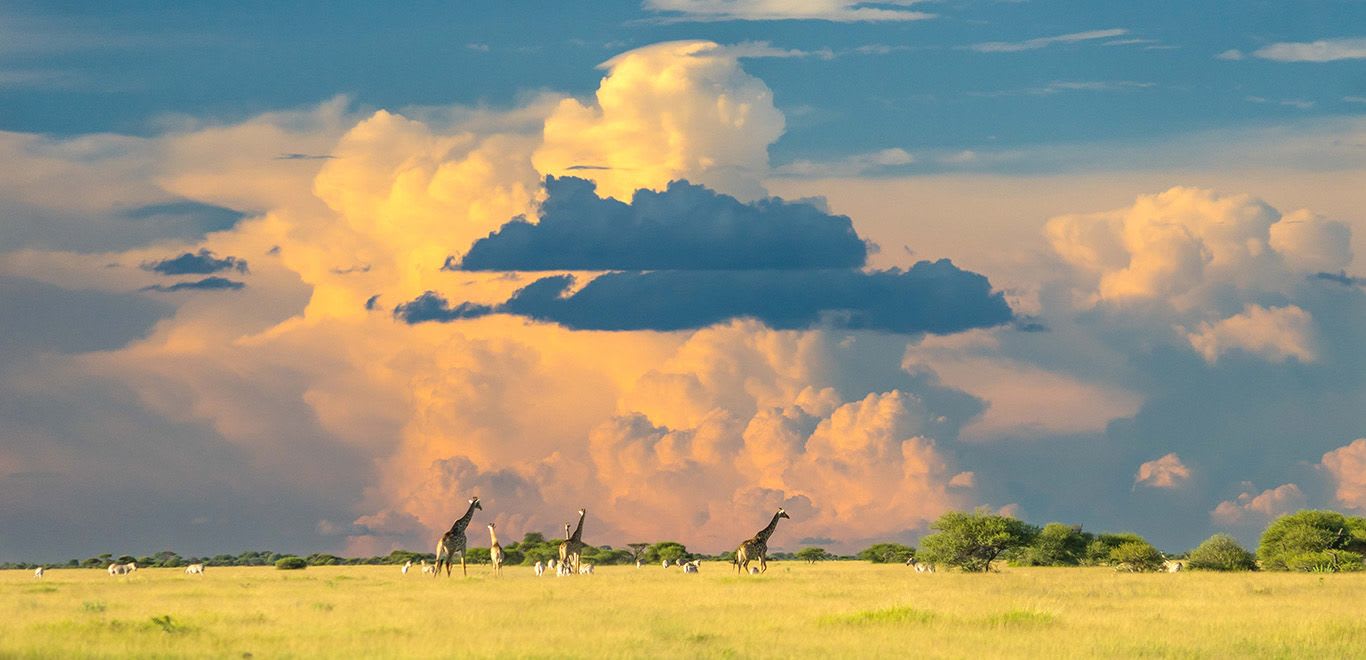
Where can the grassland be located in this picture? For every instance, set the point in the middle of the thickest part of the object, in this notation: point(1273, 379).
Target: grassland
point(843, 609)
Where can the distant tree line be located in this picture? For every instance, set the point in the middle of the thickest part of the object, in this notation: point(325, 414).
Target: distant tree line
point(1310, 541)
point(1307, 541)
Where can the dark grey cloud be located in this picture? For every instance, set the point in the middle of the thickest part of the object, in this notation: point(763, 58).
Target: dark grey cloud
point(372, 302)
point(431, 306)
point(202, 263)
point(40, 317)
point(685, 227)
point(1341, 278)
point(298, 156)
point(935, 297)
point(206, 284)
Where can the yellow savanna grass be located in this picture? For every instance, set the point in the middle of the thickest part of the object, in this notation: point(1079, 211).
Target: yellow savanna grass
point(831, 609)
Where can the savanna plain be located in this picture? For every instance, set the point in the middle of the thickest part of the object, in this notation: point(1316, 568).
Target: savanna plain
point(829, 609)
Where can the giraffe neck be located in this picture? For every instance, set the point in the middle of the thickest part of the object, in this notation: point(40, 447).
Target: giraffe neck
point(493, 536)
point(578, 531)
point(464, 521)
point(766, 532)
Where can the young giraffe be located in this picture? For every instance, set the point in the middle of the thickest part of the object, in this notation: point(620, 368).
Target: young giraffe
point(757, 547)
point(496, 554)
point(453, 541)
point(573, 545)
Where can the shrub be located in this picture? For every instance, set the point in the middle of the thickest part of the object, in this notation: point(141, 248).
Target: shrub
point(291, 563)
point(1136, 557)
point(1056, 545)
point(887, 553)
point(1317, 541)
point(1221, 552)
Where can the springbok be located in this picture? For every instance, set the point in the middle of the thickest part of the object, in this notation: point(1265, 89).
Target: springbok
point(194, 569)
point(427, 569)
point(38, 573)
point(540, 568)
point(692, 566)
point(753, 570)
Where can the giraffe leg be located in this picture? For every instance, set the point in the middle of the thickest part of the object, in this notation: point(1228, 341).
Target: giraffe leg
point(763, 563)
point(463, 572)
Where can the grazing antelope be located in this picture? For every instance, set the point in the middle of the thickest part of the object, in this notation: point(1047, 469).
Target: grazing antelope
point(757, 547)
point(692, 566)
point(540, 568)
point(753, 570)
point(194, 569)
point(407, 565)
point(586, 569)
point(428, 568)
point(38, 573)
point(122, 569)
point(496, 554)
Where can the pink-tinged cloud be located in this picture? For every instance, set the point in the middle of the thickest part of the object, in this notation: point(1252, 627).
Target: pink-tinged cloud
point(1259, 508)
point(1166, 472)
point(1275, 334)
point(1347, 465)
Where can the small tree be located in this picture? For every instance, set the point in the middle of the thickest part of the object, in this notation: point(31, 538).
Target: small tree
point(1318, 541)
point(1136, 557)
point(637, 551)
point(887, 553)
point(1221, 552)
point(1099, 549)
point(1056, 545)
point(971, 541)
point(670, 550)
point(812, 555)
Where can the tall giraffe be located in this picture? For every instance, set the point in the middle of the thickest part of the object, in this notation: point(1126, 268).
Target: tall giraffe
point(757, 547)
point(573, 545)
point(453, 541)
point(496, 554)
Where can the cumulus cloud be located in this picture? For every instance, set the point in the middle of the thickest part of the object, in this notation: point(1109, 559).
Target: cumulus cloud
point(201, 263)
point(882, 160)
point(676, 110)
point(838, 11)
point(1322, 50)
point(1259, 508)
point(1044, 42)
point(1182, 244)
point(1165, 472)
point(206, 284)
point(685, 227)
point(1276, 334)
point(935, 297)
point(1347, 467)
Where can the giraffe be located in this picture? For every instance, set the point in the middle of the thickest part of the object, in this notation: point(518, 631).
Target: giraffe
point(453, 541)
point(757, 547)
point(496, 554)
point(573, 545)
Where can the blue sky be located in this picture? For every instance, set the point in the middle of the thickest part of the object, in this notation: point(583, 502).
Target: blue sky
point(84, 67)
point(306, 276)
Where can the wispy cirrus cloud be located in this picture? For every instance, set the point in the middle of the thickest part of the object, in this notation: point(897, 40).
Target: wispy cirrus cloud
point(837, 11)
point(1323, 50)
point(1044, 42)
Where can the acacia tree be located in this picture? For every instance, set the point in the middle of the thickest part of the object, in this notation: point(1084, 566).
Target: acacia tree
point(971, 541)
point(812, 555)
point(637, 551)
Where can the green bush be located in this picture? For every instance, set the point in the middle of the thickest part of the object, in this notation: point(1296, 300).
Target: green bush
point(291, 563)
point(887, 553)
point(1315, 541)
point(1221, 552)
point(1136, 557)
point(1056, 545)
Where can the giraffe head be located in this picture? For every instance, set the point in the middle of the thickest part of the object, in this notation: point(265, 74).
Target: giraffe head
point(583, 512)
point(490, 525)
point(783, 514)
point(474, 502)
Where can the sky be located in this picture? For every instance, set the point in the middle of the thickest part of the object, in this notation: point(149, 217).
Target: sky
point(307, 277)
